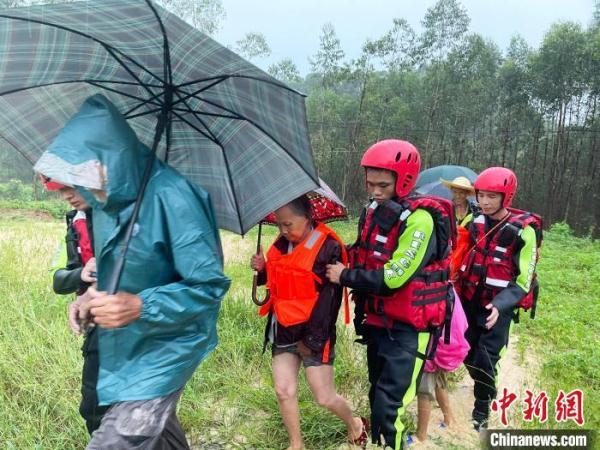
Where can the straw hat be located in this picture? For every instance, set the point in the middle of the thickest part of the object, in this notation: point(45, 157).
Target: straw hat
point(459, 183)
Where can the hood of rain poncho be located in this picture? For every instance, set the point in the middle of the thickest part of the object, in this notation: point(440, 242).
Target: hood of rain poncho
point(97, 149)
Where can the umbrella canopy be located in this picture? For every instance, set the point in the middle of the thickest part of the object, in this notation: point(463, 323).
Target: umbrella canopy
point(326, 206)
point(446, 172)
point(436, 188)
point(228, 126)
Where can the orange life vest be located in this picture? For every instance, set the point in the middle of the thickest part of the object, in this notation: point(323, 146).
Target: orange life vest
point(291, 282)
point(463, 244)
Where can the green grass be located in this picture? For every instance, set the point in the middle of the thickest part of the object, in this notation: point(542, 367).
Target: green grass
point(230, 398)
point(55, 207)
point(566, 333)
point(40, 361)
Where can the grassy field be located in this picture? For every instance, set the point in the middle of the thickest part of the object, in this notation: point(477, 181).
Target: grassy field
point(230, 399)
point(565, 335)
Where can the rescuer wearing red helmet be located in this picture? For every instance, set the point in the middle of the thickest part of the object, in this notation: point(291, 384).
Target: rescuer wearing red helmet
point(399, 276)
point(496, 276)
point(73, 273)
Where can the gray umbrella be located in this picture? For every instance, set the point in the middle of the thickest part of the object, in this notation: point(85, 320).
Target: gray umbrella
point(446, 172)
point(435, 188)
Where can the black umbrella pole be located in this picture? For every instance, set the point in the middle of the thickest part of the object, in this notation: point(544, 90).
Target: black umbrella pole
point(115, 278)
point(259, 238)
point(257, 301)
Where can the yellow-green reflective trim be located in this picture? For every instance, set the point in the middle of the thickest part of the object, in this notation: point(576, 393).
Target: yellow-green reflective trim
point(465, 220)
point(411, 249)
point(527, 259)
point(502, 353)
point(423, 342)
point(60, 258)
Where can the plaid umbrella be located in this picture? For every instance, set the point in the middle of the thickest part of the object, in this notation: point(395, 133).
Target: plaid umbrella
point(219, 120)
point(228, 126)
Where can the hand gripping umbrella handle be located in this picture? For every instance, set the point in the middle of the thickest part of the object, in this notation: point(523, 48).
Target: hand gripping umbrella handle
point(255, 298)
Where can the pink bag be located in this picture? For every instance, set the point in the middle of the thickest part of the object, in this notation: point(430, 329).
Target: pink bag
point(449, 357)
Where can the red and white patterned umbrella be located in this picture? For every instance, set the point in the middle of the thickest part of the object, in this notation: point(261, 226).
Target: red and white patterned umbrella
point(326, 206)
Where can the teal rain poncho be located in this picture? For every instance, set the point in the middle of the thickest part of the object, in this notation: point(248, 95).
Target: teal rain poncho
point(174, 262)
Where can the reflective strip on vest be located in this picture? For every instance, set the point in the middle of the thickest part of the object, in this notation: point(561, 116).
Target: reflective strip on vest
point(479, 219)
point(380, 238)
point(501, 250)
point(314, 237)
point(405, 214)
point(496, 282)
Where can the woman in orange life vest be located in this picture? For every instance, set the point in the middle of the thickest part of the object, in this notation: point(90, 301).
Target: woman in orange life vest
point(496, 276)
point(302, 312)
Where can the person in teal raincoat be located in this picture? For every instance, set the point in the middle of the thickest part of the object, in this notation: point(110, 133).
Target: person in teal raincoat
point(162, 323)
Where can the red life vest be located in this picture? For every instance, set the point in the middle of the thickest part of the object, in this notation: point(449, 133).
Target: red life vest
point(291, 281)
point(491, 260)
point(84, 244)
point(78, 238)
point(423, 301)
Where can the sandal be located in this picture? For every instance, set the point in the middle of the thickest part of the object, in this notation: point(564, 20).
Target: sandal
point(363, 439)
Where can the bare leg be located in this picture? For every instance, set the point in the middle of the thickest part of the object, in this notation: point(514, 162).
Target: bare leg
point(285, 379)
point(321, 382)
point(423, 415)
point(441, 395)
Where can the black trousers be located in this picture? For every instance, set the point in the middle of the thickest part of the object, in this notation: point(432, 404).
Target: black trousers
point(88, 408)
point(487, 347)
point(394, 373)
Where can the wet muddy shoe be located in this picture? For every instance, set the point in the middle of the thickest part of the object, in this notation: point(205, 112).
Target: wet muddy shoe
point(363, 439)
point(479, 425)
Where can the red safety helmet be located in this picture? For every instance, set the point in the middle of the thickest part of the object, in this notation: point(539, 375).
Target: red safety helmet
point(498, 179)
point(400, 157)
point(50, 185)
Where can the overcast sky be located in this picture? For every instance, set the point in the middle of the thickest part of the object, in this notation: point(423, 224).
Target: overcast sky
point(292, 27)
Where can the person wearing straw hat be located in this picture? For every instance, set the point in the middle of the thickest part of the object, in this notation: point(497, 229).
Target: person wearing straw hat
point(464, 208)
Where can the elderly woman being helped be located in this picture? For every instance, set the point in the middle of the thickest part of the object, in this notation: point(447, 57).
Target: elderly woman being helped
point(302, 310)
